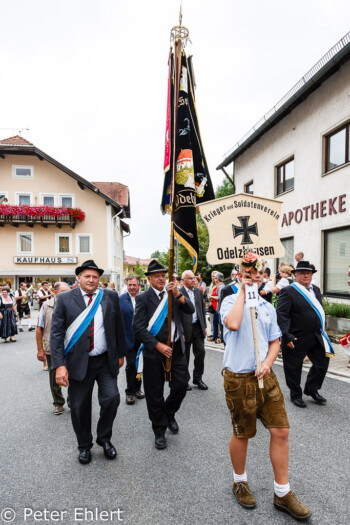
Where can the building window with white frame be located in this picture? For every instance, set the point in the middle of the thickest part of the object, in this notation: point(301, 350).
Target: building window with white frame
point(288, 244)
point(24, 198)
point(84, 243)
point(336, 261)
point(48, 199)
point(3, 197)
point(66, 200)
point(22, 172)
point(337, 148)
point(25, 243)
point(249, 187)
point(63, 243)
point(285, 176)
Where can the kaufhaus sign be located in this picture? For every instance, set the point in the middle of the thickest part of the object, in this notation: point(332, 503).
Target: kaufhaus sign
point(45, 260)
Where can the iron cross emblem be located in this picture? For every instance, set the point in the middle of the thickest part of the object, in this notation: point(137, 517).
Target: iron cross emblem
point(245, 230)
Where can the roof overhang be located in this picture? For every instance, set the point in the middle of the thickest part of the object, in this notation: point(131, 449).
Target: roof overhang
point(309, 83)
point(6, 149)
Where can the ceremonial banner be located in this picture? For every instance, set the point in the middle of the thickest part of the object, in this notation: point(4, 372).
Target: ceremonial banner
point(239, 224)
point(191, 184)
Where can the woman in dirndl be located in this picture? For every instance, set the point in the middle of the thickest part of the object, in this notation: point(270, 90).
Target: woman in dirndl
point(8, 327)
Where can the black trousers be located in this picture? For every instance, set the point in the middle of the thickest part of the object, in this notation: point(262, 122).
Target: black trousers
point(197, 340)
point(80, 394)
point(56, 390)
point(293, 363)
point(153, 380)
point(133, 385)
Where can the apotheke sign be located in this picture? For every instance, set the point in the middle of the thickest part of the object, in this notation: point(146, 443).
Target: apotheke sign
point(45, 260)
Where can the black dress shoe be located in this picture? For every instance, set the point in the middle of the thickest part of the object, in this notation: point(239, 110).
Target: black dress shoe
point(139, 394)
point(160, 442)
point(316, 397)
point(188, 388)
point(85, 456)
point(108, 449)
point(172, 425)
point(200, 384)
point(130, 400)
point(298, 402)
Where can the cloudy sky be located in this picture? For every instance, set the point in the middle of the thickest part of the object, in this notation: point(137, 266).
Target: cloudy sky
point(89, 81)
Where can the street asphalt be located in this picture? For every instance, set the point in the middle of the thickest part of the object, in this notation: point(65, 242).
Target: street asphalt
point(189, 483)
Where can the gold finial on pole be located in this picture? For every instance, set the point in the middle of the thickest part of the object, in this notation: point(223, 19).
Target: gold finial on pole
point(180, 32)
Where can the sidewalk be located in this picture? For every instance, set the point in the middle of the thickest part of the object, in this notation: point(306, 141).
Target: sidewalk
point(338, 365)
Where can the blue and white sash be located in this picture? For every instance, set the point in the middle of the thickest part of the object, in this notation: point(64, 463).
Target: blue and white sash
point(234, 288)
point(80, 324)
point(314, 303)
point(154, 325)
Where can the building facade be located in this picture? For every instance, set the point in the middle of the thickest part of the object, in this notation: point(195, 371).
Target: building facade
point(51, 219)
point(300, 154)
point(130, 264)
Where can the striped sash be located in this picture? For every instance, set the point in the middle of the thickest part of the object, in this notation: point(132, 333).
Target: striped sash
point(80, 324)
point(317, 307)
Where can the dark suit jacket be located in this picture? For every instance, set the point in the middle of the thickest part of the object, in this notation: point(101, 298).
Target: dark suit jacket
point(186, 319)
point(226, 291)
point(68, 306)
point(146, 305)
point(128, 316)
point(297, 319)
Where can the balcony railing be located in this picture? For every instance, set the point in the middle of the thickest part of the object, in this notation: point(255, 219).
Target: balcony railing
point(41, 215)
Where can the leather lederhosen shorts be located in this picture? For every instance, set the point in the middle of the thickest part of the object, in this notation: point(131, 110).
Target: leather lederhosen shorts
point(247, 402)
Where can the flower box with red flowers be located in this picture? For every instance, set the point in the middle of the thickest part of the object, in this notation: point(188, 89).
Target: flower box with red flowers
point(43, 214)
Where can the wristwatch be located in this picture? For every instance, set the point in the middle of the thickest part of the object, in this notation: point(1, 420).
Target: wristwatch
point(178, 296)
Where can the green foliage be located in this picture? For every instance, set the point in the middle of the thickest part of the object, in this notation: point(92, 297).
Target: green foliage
point(163, 258)
point(224, 189)
point(139, 271)
point(156, 254)
point(336, 309)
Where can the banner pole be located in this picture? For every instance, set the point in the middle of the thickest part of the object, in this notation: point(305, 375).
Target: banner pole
point(177, 65)
point(256, 344)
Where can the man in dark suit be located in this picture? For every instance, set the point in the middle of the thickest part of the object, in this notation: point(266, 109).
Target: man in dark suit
point(194, 327)
point(127, 302)
point(162, 412)
point(301, 335)
point(230, 288)
point(96, 355)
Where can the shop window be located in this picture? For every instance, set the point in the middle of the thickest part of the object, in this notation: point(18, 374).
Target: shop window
point(337, 148)
point(66, 200)
point(22, 172)
point(84, 243)
point(25, 243)
point(288, 244)
point(249, 187)
point(285, 176)
point(336, 261)
point(63, 243)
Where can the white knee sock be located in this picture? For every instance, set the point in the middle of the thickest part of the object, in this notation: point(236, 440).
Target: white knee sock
point(20, 323)
point(29, 323)
point(281, 490)
point(239, 477)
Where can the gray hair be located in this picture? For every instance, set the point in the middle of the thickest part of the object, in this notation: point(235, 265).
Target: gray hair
point(59, 284)
point(220, 276)
point(183, 276)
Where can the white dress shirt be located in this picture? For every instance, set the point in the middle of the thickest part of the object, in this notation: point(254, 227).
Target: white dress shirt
point(133, 301)
point(193, 301)
point(100, 343)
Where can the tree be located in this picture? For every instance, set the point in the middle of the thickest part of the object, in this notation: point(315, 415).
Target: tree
point(224, 189)
point(139, 271)
point(155, 254)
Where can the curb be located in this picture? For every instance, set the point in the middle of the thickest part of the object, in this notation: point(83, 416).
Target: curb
point(331, 372)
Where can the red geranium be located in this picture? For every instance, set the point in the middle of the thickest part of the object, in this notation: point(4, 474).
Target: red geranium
point(27, 210)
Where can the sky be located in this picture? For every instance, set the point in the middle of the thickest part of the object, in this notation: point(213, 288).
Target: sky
point(89, 81)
